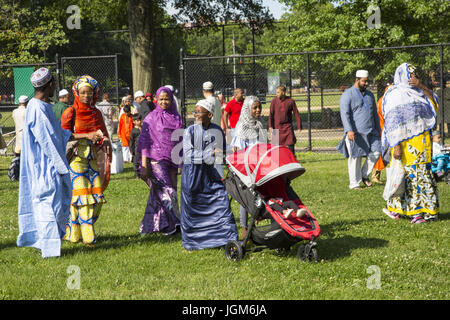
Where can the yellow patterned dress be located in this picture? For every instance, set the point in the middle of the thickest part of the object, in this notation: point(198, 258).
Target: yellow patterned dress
point(87, 194)
point(421, 194)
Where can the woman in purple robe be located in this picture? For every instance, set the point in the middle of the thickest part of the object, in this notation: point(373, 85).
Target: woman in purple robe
point(158, 168)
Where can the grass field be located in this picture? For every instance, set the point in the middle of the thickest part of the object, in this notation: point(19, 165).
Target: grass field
point(412, 261)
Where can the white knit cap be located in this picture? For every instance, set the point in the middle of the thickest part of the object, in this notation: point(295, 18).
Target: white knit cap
point(206, 104)
point(63, 92)
point(40, 77)
point(362, 74)
point(23, 99)
point(208, 85)
point(138, 93)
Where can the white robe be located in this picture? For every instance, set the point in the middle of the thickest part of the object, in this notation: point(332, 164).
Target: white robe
point(45, 188)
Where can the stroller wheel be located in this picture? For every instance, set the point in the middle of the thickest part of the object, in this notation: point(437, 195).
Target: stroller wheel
point(307, 252)
point(234, 251)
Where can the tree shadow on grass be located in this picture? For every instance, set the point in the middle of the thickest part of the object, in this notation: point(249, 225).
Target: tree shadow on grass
point(107, 242)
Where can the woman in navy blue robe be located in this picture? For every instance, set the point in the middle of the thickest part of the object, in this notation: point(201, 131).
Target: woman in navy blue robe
point(206, 217)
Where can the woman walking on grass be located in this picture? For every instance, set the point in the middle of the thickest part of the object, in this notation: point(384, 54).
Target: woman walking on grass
point(249, 131)
point(89, 160)
point(157, 167)
point(409, 110)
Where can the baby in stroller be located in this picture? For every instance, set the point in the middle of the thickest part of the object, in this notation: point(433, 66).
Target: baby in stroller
point(441, 158)
point(287, 208)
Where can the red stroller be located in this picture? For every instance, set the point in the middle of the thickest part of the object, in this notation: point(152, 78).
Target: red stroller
point(256, 175)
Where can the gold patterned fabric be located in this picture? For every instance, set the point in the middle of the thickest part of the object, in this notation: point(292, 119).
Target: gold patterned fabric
point(87, 194)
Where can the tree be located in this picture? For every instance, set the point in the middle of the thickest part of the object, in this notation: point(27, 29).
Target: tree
point(23, 37)
point(141, 15)
point(328, 25)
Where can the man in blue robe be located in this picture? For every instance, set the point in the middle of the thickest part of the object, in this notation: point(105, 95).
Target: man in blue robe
point(362, 130)
point(45, 188)
point(206, 217)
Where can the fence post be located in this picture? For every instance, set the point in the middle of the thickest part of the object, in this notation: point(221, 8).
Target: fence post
point(116, 64)
point(308, 98)
point(442, 97)
point(63, 60)
point(58, 84)
point(182, 88)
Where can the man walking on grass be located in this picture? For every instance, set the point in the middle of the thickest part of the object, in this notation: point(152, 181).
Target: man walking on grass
point(361, 130)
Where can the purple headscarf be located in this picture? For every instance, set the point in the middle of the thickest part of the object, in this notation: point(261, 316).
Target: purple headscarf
point(155, 138)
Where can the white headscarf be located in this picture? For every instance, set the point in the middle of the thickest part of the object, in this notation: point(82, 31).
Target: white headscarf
point(407, 111)
point(249, 128)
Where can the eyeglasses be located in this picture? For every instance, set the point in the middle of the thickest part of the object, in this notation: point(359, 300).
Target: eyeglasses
point(195, 112)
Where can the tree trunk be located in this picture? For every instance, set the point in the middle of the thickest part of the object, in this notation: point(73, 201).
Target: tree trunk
point(140, 21)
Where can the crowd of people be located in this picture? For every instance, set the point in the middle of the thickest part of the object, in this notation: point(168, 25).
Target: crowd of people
point(66, 152)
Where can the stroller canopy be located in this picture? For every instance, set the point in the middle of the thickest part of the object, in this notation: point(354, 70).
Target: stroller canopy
point(262, 162)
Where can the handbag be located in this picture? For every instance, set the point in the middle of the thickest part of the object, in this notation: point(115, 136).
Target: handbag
point(395, 183)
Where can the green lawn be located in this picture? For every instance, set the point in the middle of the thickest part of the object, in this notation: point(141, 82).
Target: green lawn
point(356, 238)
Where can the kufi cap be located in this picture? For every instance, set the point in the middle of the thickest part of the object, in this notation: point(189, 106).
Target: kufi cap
point(63, 92)
point(435, 133)
point(206, 104)
point(170, 87)
point(23, 99)
point(362, 74)
point(40, 77)
point(208, 85)
point(138, 93)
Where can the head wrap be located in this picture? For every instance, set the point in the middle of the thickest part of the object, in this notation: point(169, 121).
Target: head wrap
point(407, 110)
point(87, 117)
point(155, 140)
point(170, 87)
point(206, 104)
point(40, 77)
point(86, 81)
point(249, 128)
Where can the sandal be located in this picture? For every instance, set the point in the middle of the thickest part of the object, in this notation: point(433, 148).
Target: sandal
point(390, 214)
point(418, 219)
point(367, 182)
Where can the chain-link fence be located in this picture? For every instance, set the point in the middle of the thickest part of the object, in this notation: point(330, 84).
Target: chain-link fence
point(15, 81)
point(315, 80)
point(104, 69)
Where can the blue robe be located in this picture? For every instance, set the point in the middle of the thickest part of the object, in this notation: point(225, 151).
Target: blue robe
point(206, 217)
point(45, 188)
point(359, 114)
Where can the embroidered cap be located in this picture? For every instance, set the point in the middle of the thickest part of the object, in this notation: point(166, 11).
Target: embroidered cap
point(40, 77)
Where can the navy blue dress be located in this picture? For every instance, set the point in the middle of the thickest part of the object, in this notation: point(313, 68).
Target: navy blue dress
point(206, 217)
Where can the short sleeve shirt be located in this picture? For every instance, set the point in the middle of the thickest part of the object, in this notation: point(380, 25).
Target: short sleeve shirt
point(234, 109)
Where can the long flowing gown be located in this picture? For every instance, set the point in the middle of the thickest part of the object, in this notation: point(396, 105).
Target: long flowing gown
point(206, 217)
point(45, 188)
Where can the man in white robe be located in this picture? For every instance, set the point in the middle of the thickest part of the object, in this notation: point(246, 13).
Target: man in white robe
point(45, 188)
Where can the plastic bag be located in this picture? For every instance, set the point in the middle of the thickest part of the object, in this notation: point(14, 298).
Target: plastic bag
point(395, 184)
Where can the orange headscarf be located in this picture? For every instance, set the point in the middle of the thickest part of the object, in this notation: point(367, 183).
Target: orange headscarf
point(87, 117)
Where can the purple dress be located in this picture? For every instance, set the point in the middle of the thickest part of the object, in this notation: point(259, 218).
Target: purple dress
point(155, 142)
